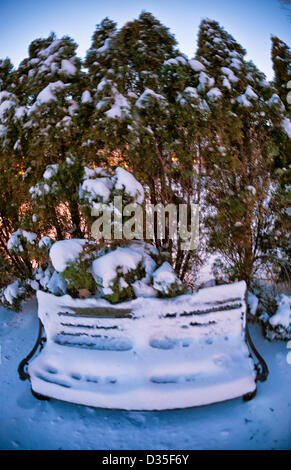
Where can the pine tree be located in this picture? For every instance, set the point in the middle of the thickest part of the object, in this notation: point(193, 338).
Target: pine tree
point(159, 150)
point(110, 103)
point(209, 130)
point(144, 45)
point(12, 193)
point(281, 58)
point(245, 114)
point(6, 74)
point(50, 82)
point(136, 77)
point(98, 56)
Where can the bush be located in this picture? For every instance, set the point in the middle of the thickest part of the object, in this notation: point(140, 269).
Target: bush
point(271, 310)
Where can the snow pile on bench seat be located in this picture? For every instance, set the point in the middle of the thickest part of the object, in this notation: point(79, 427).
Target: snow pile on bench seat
point(145, 354)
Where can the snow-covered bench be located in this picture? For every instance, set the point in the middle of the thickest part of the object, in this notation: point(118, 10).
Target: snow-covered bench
point(145, 354)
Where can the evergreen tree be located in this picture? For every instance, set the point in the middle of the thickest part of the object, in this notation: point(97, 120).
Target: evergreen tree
point(98, 56)
point(6, 68)
point(245, 114)
point(160, 148)
point(144, 45)
point(50, 83)
point(12, 193)
point(209, 130)
point(137, 80)
point(281, 58)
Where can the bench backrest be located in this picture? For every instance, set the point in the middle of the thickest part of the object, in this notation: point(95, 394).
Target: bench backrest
point(210, 313)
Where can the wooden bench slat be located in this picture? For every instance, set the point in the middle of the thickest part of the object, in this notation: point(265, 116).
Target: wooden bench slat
point(100, 312)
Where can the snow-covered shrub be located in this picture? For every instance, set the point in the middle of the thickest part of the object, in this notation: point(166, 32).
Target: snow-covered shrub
point(24, 246)
point(271, 309)
point(72, 259)
point(20, 241)
point(28, 246)
point(115, 272)
point(37, 275)
point(46, 279)
point(129, 272)
point(103, 186)
point(278, 326)
point(166, 282)
point(96, 187)
point(53, 284)
point(55, 197)
point(12, 295)
point(126, 272)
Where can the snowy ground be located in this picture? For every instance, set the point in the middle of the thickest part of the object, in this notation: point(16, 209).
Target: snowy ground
point(26, 423)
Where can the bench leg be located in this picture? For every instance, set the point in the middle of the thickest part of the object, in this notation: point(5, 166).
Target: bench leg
point(39, 396)
point(249, 396)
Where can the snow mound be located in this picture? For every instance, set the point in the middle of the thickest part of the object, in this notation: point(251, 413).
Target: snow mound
point(196, 65)
point(66, 251)
point(15, 241)
point(125, 180)
point(104, 269)
point(214, 94)
point(13, 291)
point(45, 242)
point(51, 170)
point(282, 316)
point(120, 107)
point(86, 97)
point(252, 303)
point(97, 188)
point(143, 100)
point(49, 92)
point(165, 280)
point(68, 67)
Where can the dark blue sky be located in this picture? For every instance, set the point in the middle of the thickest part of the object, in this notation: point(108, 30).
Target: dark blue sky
point(251, 22)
